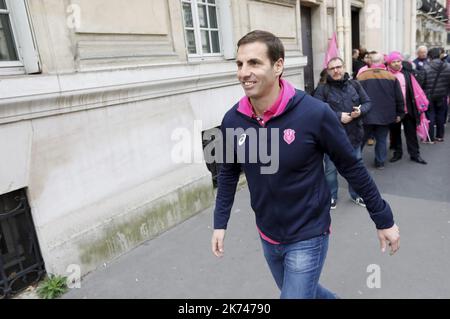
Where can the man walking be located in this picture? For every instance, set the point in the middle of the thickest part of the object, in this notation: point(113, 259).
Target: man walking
point(292, 203)
point(387, 102)
point(350, 102)
point(409, 87)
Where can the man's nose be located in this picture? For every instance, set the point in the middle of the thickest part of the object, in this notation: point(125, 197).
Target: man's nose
point(244, 71)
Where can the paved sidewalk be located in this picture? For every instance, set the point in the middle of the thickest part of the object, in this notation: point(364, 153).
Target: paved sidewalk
point(179, 264)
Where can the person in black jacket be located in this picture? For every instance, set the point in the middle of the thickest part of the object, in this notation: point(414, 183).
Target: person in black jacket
point(412, 117)
point(350, 102)
point(422, 58)
point(437, 88)
point(357, 63)
point(446, 58)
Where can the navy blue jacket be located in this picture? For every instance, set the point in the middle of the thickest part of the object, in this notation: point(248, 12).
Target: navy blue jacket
point(293, 204)
point(386, 96)
point(420, 63)
point(342, 96)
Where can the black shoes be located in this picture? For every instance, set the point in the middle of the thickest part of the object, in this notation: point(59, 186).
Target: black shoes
point(419, 160)
point(395, 158)
point(379, 166)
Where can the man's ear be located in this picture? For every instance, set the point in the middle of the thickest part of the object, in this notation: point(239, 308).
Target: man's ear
point(279, 66)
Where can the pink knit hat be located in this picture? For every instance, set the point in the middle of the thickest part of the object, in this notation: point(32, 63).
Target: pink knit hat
point(393, 56)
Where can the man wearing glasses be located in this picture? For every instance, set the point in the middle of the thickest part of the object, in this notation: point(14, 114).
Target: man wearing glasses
point(350, 102)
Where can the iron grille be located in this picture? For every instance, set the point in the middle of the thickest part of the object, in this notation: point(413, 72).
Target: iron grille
point(21, 263)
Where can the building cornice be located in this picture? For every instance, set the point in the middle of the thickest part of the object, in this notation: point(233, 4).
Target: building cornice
point(35, 96)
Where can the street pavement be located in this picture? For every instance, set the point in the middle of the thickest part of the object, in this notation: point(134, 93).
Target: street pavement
point(179, 263)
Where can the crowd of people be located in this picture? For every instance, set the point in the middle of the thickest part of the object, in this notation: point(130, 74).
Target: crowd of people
point(384, 93)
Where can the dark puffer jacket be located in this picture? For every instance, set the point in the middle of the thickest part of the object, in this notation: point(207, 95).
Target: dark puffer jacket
point(443, 83)
point(342, 96)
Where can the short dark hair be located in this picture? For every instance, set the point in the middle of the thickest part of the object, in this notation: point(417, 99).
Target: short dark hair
point(336, 58)
point(275, 48)
point(434, 53)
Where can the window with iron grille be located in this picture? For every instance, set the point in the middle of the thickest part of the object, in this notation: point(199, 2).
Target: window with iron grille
point(201, 27)
point(21, 262)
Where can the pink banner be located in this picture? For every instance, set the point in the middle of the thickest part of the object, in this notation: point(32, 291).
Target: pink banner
point(332, 50)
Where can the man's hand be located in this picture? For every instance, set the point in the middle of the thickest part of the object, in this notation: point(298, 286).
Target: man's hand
point(217, 242)
point(346, 118)
point(356, 112)
point(389, 236)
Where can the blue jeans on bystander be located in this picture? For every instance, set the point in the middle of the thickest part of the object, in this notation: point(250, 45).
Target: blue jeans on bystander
point(332, 178)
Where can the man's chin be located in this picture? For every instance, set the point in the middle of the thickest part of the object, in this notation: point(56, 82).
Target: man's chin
point(250, 94)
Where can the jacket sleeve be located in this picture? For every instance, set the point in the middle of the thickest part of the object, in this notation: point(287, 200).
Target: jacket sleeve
point(226, 182)
point(366, 104)
point(319, 94)
point(335, 143)
point(399, 99)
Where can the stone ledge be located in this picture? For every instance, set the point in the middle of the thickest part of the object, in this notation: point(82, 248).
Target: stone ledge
point(29, 97)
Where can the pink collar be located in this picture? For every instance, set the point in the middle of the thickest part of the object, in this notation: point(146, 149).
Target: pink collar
point(286, 93)
point(378, 66)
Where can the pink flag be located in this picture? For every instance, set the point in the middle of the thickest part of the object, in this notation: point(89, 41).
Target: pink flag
point(332, 51)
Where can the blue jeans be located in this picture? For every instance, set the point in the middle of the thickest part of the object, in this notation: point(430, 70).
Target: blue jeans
point(331, 175)
point(296, 267)
point(380, 132)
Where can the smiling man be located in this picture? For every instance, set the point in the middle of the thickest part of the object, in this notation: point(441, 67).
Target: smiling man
point(291, 205)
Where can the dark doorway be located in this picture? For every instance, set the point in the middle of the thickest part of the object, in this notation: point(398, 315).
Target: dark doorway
point(307, 48)
point(356, 41)
point(21, 263)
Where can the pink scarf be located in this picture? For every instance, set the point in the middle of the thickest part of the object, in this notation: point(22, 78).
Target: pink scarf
point(401, 78)
point(419, 95)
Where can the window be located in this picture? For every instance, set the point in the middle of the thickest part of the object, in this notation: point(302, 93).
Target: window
point(201, 25)
point(8, 51)
point(17, 51)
